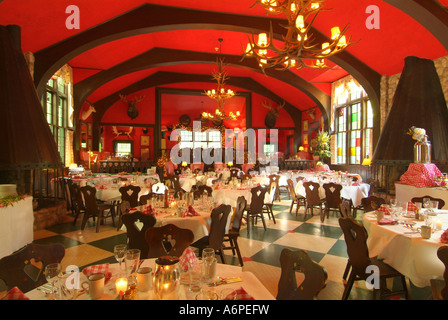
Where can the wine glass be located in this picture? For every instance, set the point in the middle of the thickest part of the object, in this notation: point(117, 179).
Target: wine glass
point(119, 253)
point(52, 273)
point(426, 203)
point(132, 259)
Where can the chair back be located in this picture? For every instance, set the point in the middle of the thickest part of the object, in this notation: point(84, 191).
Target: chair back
point(75, 193)
point(145, 198)
point(176, 185)
point(130, 193)
point(299, 261)
point(420, 200)
point(25, 268)
point(312, 192)
point(346, 208)
point(203, 189)
point(238, 214)
point(355, 236)
point(167, 240)
point(234, 173)
point(257, 200)
point(272, 192)
point(219, 218)
point(332, 195)
point(136, 232)
point(372, 203)
point(89, 194)
point(274, 178)
point(442, 254)
point(292, 191)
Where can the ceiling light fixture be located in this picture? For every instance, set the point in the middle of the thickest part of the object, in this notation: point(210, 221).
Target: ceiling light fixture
point(298, 50)
point(220, 94)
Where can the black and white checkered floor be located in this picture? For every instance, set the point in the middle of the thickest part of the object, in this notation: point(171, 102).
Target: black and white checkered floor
point(261, 248)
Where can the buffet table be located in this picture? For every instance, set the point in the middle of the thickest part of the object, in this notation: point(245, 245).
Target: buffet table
point(16, 226)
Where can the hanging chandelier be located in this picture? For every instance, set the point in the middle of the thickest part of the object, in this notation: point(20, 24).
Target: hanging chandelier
point(297, 50)
point(220, 94)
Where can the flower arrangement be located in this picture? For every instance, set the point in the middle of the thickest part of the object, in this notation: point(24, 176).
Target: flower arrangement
point(322, 148)
point(10, 200)
point(418, 134)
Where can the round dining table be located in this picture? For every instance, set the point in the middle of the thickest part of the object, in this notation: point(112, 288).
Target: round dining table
point(402, 247)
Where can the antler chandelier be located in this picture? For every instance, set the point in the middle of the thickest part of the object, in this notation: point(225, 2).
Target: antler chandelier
point(297, 42)
point(220, 94)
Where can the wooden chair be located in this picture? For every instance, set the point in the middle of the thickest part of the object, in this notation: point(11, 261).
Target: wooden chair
point(332, 198)
point(439, 288)
point(299, 261)
point(358, 255)
point(215, 238)
point(275, 178)
point(136, 233)
point(95, 209)
point(312, 197)
point(420, 200)
point(232, 236)
point(176, 185)
point(25, 268)
point(255, 209)
point(201, 190)
point(130, 193)
point(168, 240)
point(144, 199)
point(77, 201)
point(269, 203)
point(297, 199)
point(370, 203)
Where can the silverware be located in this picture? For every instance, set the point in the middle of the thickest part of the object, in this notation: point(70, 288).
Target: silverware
point(222, 281)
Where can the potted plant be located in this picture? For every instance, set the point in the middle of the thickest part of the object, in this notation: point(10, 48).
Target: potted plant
point(322, 148)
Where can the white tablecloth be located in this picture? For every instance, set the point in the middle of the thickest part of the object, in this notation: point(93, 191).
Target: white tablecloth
point(405, 193)
point(414, 257)
point(187, 182)
point(16, 226)
point(250, 283)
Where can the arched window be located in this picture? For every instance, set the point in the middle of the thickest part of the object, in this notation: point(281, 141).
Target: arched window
point(352, 121)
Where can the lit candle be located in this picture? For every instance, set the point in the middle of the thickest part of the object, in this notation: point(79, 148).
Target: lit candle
point(121, 285)
point(438, 225)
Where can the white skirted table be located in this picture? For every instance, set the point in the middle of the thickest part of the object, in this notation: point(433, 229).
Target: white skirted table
point(16, 226)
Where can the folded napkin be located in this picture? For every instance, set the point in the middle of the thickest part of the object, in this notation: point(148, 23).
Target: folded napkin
point(148, 209)
point(100, 268)
point(387, 221)
point(190, 212)
point(187, 257)
point(241, 294)
point(412, 207)
point(15, 294)
point(444, 237)
point(100, 186)
point(355, 184)
point(384, 209)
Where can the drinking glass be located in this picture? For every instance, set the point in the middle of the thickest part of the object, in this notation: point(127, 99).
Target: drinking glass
point(208, 252)
point(426, 203)
point(132, 259)
point(119, 253)
point(393, 202)
point(52, 273)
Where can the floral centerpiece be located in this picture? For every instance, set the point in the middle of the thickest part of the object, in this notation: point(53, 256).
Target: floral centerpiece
point(10, 200)
point(422, 148)
point(418, 134)
point(322, 148)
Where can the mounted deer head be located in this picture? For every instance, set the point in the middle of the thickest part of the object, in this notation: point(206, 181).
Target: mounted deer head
point(86, 113)
point(132, 107)
point(272, 114)
point(311, 113)
point(122, 133)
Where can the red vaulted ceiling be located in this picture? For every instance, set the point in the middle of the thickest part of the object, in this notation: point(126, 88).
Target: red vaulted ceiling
point(42, 24)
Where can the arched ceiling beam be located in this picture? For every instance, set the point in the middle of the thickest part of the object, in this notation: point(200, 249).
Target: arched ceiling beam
point(155, 18)
point(163, 78)
point(429, 13)
point(161, 57)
